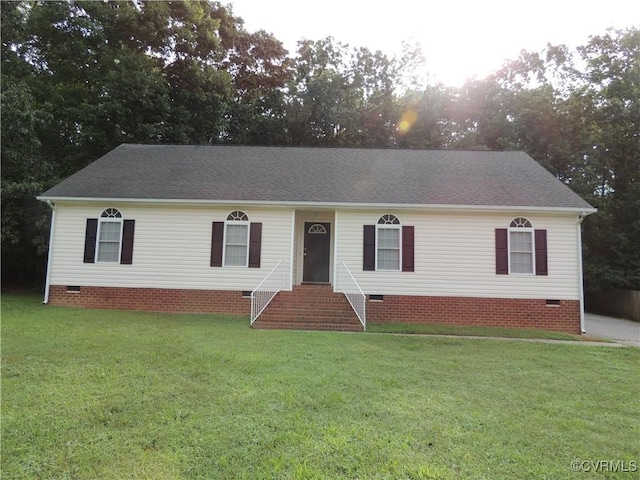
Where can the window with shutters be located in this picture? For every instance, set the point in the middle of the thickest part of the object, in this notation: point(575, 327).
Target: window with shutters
point(236, 239)
point(388, 243)
point(521, 246)
point(109, 236)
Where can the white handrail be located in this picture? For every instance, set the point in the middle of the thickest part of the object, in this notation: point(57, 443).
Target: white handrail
point(265, 291)
point(354, 294)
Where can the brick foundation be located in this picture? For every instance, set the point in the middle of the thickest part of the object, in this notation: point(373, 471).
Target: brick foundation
point(489, 312)
point(494, 312)
point(153, 299)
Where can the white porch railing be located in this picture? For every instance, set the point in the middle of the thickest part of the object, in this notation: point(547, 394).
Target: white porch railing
point(354, 294)
point(266, 290)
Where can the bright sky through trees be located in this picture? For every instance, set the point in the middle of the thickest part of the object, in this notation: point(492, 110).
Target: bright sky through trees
point(460, 39)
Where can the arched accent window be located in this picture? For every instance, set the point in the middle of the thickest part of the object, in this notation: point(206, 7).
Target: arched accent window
point(388, 219)
point(521, 246)
point(520, 222)
point(109, 236)
point(317, 228)
point(237, 216)
point(388, 243)
point(111, 213)
point(236, 235)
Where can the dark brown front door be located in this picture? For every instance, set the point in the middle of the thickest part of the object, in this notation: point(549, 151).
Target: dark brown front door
point(317, 245)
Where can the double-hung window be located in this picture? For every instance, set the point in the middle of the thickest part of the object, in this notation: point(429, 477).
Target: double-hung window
point(388, 242)
point(521, 246)
point(236, 239)
point(109, 236)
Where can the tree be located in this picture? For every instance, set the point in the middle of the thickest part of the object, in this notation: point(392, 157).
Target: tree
point(612, 79)
point(340, 96)
point(425, 120)
point(260, 70)
point(25, 171)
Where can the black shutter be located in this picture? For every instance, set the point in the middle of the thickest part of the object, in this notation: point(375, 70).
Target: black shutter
point(90, 240)
point(407, 249)
point(541, 252)
point(255, 244)
point(502, 252)
point(369, 248)
point(128, 228)
point(217, 239)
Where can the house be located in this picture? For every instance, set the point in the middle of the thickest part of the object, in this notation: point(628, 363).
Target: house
point(464, 237)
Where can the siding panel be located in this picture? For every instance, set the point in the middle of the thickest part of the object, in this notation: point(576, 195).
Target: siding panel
point(172, 248)
point(455, 256)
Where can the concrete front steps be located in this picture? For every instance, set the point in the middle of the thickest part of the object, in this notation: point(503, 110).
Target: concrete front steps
point(309, 307)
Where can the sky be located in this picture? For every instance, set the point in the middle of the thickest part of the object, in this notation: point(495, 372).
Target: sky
point(460, 39)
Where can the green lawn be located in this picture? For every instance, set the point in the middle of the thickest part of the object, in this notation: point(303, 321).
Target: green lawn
point(113, 395)
point(461, 330)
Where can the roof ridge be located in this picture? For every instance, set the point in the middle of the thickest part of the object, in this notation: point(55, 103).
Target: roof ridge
point(319, 147)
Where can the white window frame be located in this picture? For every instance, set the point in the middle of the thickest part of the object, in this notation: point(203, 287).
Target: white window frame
point(522, 229)
point(235, 222)
point(389, 226)
point(109, 218)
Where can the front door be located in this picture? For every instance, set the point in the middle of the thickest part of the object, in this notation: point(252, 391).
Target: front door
point(317, 245)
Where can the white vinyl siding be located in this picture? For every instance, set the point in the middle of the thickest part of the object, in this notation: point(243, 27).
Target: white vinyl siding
point(172, 248)
point(455, 256)
point(454, 252)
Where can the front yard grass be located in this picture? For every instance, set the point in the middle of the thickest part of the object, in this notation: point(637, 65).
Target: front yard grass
point(90, 394)
point(474, 331)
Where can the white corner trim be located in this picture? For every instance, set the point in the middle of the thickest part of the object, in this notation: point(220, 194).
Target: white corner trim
point(335, 250)
point(292, 248)
point(580, 273)
point(47, 282)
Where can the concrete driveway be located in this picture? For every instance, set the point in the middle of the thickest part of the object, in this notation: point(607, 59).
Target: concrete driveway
point(616, 329)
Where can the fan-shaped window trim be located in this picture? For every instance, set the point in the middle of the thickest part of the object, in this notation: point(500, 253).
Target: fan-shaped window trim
point(111, 213)
point(388, 219)
point(317, 228)
point(237, 216)
point(520, 222)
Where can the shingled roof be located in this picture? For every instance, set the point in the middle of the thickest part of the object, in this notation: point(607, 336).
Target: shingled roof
point(301, 175)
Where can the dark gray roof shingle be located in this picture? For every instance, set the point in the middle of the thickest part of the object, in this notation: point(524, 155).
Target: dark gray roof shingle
point(319, 175)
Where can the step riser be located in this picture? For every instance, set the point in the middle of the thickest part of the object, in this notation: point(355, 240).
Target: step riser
point(309, 307)
point(300, 319)
point(327, 327)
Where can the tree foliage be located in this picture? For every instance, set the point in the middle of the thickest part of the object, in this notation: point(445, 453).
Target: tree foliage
point(81, 77)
